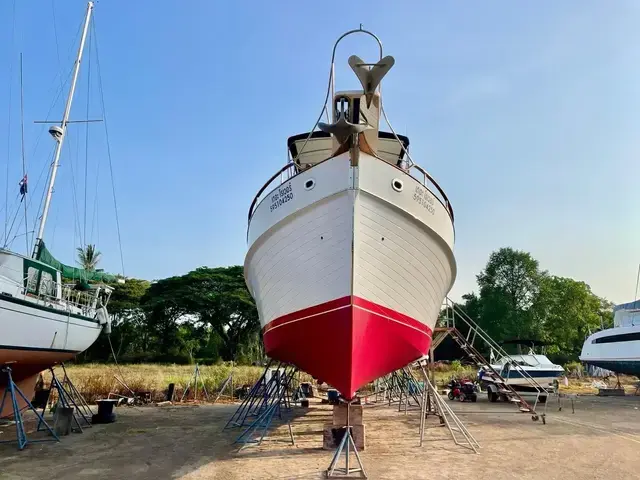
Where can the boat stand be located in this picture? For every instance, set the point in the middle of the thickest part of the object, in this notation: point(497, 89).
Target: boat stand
point(228, 382)
point(459, 432)
point(13, 392)
point(69, 397)
point(347, 445)
point(267, 398)
point(197, 376)
point(399, 387)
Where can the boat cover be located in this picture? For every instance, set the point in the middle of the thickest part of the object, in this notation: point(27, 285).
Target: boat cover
point(73, 273)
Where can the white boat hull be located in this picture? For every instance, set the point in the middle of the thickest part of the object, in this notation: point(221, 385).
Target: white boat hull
point(616, 349)
point(36, 337)
point(350, 274)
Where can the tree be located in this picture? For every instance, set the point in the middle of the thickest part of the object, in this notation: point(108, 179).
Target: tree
point(216, 299)
point(519, 301)
point(88, 257)
point(509, 288)
point(571, 312)
point(129, 335)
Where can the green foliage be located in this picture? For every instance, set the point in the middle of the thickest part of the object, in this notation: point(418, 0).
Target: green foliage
point(572, 367)
point(509, 290)
point(88, 257)
point(569, 312)
point(519, 301)
point(456, 366)
point(206, 315)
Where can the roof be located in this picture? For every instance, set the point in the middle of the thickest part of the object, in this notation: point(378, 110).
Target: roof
point(319, 146)
point(627, 306)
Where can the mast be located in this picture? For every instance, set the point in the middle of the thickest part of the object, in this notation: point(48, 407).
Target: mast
point(59, 133)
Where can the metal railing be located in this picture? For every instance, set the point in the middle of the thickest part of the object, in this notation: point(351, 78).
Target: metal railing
point(70, 298)
point(443, 196)
point(290, 170)
point(286, 173)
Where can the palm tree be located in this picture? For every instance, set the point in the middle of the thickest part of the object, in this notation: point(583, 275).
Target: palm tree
point(88, 257)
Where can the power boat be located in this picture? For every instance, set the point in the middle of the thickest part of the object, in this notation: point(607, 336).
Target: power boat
point(535, 366)
point(43, 319)
point(617, 349)
point(525, 373)
point(350, 244)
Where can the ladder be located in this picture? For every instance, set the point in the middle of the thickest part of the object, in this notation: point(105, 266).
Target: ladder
point(466, 343)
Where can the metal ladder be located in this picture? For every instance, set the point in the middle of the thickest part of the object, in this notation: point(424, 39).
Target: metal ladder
point(466, 344)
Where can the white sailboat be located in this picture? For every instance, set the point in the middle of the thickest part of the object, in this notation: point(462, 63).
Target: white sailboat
point(44, 321)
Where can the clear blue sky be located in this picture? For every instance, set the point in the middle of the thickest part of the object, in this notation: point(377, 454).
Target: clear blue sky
point(528, 116)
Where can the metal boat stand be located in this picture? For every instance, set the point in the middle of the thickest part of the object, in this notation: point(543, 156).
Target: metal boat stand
point(399, 387)
point(459, 432)
point(197, 376)
point(348, 445)
point(13, 392)
point(69, 397)
point(268, 397)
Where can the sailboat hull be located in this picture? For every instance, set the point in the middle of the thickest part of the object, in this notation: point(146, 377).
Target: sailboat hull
point(36, 337)
point(349, 277)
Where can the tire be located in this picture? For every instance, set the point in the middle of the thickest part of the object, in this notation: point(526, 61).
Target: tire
point(462, 397)
point(493, 396)
point(474, 398)
point(450, 395)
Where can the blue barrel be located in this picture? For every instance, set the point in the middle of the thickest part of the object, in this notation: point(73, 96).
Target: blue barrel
point(332, 395)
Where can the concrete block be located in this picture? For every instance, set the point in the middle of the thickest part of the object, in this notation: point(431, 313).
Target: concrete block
point(62, 418)
point(340, 415)
point(611, 392)
point(332, 435)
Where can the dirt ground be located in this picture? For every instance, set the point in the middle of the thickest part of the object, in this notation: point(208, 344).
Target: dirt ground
point(601, 440)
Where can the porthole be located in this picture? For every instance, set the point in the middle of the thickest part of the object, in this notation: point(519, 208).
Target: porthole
point(397, 184)
point(309, 184)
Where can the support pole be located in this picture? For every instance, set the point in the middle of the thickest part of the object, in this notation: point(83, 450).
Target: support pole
point(346, 444)
point(62, 133)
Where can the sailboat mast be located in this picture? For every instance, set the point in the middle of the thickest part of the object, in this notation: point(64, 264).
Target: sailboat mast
point(59, 133)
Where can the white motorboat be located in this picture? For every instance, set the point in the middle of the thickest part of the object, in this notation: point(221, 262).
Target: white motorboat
point(617, 349)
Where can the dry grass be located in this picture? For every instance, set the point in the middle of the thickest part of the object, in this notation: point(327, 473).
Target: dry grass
point(585, 385)
point(96, 381)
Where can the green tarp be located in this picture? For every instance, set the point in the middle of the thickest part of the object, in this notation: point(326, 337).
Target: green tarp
point(72, 273)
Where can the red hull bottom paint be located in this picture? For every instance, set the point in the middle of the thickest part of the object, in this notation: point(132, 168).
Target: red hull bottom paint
point(25, 367)
point(347, 342)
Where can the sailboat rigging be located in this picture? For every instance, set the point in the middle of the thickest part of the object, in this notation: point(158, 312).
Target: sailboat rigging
point(43, 319)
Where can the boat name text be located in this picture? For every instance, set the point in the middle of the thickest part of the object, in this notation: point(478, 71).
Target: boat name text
point(282, 196)
point(424, 198)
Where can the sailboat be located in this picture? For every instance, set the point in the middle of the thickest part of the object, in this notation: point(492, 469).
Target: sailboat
point(43, 319)
point(350, 244)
